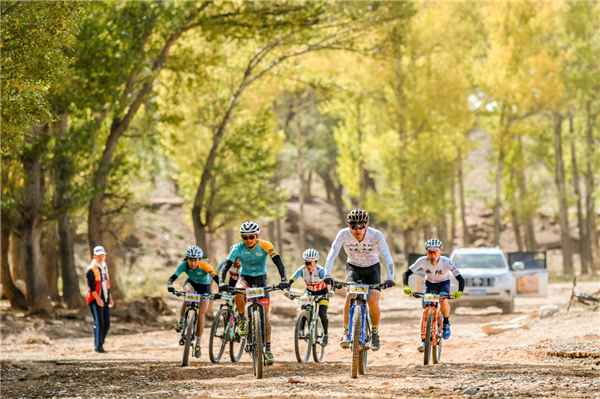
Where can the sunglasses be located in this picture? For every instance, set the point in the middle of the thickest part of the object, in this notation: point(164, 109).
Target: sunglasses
point(248, 237)
point(358, 226)
point(432, 252)
point(308, 263)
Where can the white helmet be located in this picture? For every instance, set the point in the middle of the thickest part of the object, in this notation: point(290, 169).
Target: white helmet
point(249, 227)
point(433, 243)
point(310, 254)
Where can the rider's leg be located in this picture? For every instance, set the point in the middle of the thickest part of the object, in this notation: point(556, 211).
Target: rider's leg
point(445, 307)
point(240, 303)
point(201, 315)
point(373, 300)
point(347, 311)
point(267, 309)
point(323, 317)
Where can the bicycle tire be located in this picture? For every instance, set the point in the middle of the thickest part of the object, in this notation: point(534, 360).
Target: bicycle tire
point(236, 354)
point(302, 328)
point(428, 338)
point(258, 360)
point(222, 316)
point(437, 348)
point(318, 349)
point(356, 328)
point(362, 365)
point(190, 325)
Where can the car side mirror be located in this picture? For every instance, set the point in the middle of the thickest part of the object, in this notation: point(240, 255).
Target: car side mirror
point(518, 266)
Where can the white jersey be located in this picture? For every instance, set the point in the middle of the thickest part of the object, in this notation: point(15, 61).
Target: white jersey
point(434, 274)
point(363, 253)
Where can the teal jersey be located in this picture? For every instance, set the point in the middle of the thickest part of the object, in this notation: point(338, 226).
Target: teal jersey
point(201, 275)
point(253, 260)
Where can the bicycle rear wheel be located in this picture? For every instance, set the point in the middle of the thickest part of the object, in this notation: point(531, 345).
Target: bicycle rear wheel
point(218, 336)
point(437, 335)
point(356, 349)
point(302, 342)
point(236, 345)
point(258, 360)
point(190, 325)
point(318, 349)
point(428, 338)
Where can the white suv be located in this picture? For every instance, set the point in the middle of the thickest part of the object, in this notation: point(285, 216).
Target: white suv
point(488, 279)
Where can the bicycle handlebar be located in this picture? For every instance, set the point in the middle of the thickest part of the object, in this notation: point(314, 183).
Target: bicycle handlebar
point(422, 294)
point(341, 284)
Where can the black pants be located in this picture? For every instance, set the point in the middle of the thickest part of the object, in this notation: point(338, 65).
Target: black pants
point(101, 316)
point(323, 317)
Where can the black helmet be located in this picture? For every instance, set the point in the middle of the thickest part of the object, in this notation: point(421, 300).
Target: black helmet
point(357, 215)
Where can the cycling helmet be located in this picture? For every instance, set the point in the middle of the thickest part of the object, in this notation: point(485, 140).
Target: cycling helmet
point(357, 215)
point(194, 252)
point(433, 243)
point(310, 254)
point(249, 227)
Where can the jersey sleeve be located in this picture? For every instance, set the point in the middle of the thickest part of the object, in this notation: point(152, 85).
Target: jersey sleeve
point(417, 267)
point(336, 246)
point(208, 268)
point(180, 269)
point(297, 274)
point(234, 253)
point(452, 268)
point(267, 247)
point(321, 272)
point(384, 249)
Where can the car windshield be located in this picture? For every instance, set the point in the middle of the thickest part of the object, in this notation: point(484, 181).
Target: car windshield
point(479, 261)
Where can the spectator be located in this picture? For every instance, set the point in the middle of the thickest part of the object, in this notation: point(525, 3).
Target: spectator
point(98, 297)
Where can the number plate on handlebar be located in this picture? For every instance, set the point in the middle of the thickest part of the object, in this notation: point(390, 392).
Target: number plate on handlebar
point(431, 298)
point(255, 292)
point(358, 289)
point(193, 297)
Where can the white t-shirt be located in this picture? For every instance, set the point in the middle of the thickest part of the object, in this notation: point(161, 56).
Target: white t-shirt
point(363, 253)
point(434, 274)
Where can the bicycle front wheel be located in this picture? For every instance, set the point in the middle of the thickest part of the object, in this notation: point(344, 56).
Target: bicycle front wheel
point(302, 341)
point(428, 338)
point(218, 336)
point(318, 349)
point(356, 349)
point(437, 344)
point(258, 356)
point(236, 345)
point(190, 326)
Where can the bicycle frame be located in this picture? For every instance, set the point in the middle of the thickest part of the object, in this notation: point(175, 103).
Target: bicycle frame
point(360, 299)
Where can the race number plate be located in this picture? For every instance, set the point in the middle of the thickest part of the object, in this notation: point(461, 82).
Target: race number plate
point(193, 297)
point(358, 289)
point(431, 298)
point(256, 292)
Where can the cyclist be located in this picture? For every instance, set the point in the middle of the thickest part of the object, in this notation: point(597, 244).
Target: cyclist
point(363, 246)
point(252, 253)
point(234, 272)
point(199, 275)
point(436, 270)
point(313, 275)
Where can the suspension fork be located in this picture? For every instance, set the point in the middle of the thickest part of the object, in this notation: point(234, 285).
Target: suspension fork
point(363, 331)
point(351, 317)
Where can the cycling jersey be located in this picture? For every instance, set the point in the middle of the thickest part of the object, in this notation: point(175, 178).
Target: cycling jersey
point(253, 260)
point(313, 280)
point(363, 253)
point(434, 274)
point(201, 275)
point(234, 270)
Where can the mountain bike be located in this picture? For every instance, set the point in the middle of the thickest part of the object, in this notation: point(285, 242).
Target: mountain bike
point(224, 330)
point(309, 333)
point(255, 313)
point(434, 325)
point(190, 321)
point(359, 327)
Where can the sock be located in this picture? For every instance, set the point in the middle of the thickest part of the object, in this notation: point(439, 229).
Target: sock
point(446, 320)
point(375, 330)
point(268, 346)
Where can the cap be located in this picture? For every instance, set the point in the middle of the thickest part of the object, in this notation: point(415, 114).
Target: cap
point(99, 250)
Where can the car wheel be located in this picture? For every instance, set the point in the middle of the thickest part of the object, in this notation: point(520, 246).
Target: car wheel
point(508, 307)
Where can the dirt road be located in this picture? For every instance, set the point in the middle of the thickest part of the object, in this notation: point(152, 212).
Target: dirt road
point(512, 364)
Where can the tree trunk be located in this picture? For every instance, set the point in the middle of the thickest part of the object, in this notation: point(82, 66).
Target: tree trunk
point(516, 227)
point(302, 188)
point(336, 191)
point(498, 201)
point(17, 254)
point(559, 177)
point(50, 259)
point(63, 172)
point(229, 240)
point(31, 229)
point(590, 191)
point(308, 187)
point(452, 213)
point(279, 237)
point(409, 241)
point(584, 256)
point(461, 198)
point(528, 211)
point(9, 289)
